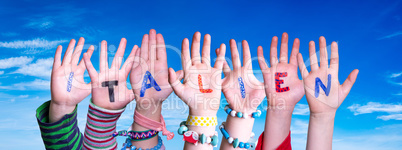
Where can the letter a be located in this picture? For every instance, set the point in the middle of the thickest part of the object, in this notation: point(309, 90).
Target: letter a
point(145, 85)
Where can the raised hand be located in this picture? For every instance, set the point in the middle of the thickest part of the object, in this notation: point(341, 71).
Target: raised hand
point(283, 87)
point(109, 86)
point(323, 91)
point(201, 88)
point(241, 88)
point(67, 82)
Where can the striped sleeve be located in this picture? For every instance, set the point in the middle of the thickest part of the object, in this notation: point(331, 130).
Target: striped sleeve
point(101, 124)
point(63, 134)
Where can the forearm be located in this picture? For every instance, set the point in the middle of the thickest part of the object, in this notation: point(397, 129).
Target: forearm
point(320, 131)
point(151, 111)
point(277, 126)
point(57, 111)
point(240, 128)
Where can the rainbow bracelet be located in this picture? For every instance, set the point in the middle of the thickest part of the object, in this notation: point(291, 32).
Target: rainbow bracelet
point(137, 135)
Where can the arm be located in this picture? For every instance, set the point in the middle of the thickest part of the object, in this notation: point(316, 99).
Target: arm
point(283, 88)
point(240, 79)
point(110, 96)
point(324, 94)
point(201, 88)
point(58, 117)
point(150, 65)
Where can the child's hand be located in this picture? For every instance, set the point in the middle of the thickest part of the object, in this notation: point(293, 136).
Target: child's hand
point(242, 90)
point(109, 87)
point(283, 87)
point(201, 88)
point(67, 82)
point(320, 78)
point(152, 67)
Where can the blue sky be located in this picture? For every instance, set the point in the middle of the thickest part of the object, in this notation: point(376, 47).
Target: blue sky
point(369, 35)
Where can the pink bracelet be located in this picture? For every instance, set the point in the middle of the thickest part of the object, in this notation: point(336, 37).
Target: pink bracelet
point(153, 125)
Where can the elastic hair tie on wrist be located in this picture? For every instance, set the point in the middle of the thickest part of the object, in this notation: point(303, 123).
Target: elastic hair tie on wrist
point(233, 113)
point(202, 121)
point(192, 137)
point(234, 141)
point(153, 125)
point(128, 144)
point(137, 135)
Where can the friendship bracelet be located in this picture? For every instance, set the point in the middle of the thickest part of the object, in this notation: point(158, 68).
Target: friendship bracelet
point(152, 124)
point(233, 113)
point(235, 142)
point(202, 121)
point(128, 144)
point(137, 135)
point(192, 137)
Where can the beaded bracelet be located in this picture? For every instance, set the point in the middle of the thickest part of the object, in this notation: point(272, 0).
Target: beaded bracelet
point(192, 137)
point(233, 113)
point(234, 141)
point(137, 135)
point(128, 144)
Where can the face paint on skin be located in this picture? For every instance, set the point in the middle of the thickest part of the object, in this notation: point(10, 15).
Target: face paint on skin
point(70, 81)
point(111, 85)
point(152, 83)
point(242, 90)
point(278, 82)
point(319, 83)
point(202, 90)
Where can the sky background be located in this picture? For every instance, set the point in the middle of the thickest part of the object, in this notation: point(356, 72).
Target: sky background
point(369, 35)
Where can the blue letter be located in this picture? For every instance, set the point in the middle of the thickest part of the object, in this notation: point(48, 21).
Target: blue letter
point(318, 83)
point(146, 86)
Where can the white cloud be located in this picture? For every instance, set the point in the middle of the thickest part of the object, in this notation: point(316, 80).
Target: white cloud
point(391, 35)
point(299, 126)
point(41, 68)
point(394, 75)
point(301, 109)
point(371, 107)
point(1, 72)
point(37, 84)
point(32, 46)
point(14, 62)
point(40, 23)
point(393, 78)
point(390, 117)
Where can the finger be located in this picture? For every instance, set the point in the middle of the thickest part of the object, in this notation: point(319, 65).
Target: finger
point(118, 57)
point(144, 48)
point(91, 70)
point(136, 56)
point(180, 75)
point(103, 64)
point(69, 52)
point(295, 51)
point(185, 55)
point(246, 55)
point(226, 68)
point(235, 55)
point(323, 53)
point(313, 56)
point(334, 56)
point(347, 85)
point(152, 44)
point(195, 48)
point(221, 57)
point(206, 50)
point(130, 61)
point(261, 59)
point(77, 51)
point(302, 66)
point(57, 57)
point(274, 51)
point(89, 52)
point(177, 86)
point(160, 48)
point(283, 57)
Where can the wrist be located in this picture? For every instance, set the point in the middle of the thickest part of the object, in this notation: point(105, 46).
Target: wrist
point(57, 111)
point(323, 116)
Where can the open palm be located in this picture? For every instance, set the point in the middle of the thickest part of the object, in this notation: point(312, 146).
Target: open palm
point(67, 81)
point(101, 95)
point(325, 102)
point(253, 89)
point(202, 99)
point(290, 91)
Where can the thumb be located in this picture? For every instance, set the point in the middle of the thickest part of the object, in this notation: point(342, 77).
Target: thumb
point(347, 85)
point(174, 81)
